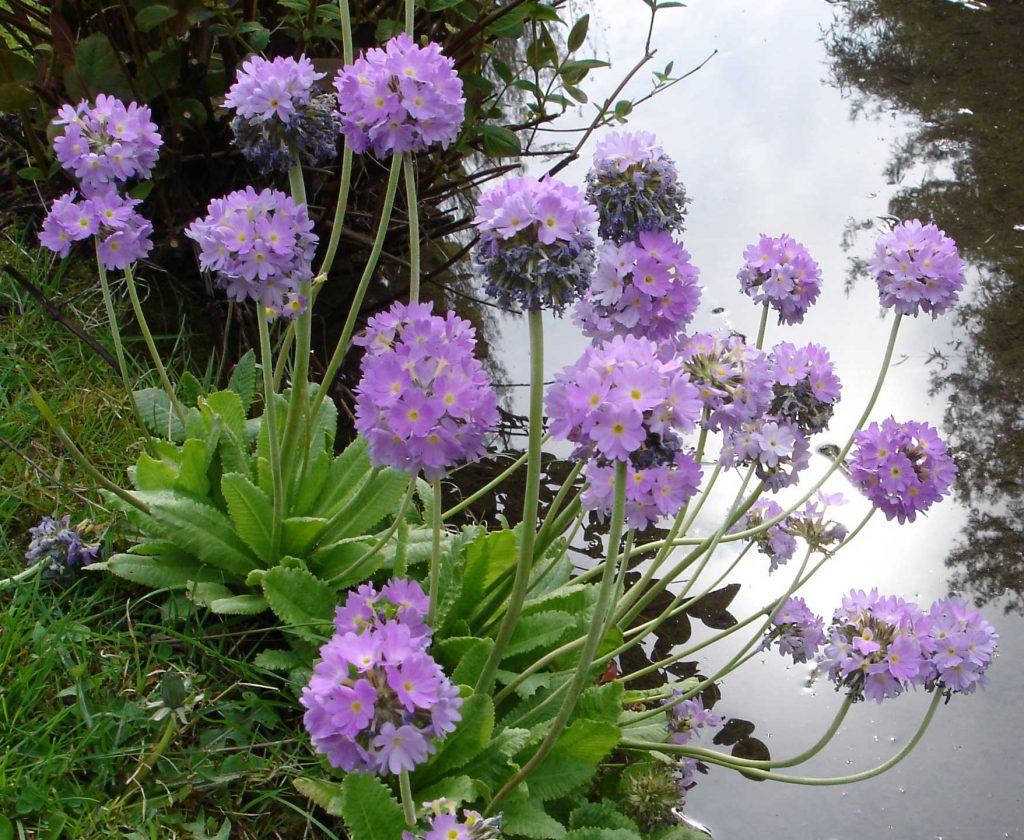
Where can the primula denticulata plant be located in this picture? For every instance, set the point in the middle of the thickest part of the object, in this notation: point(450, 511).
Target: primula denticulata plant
point(457, 682)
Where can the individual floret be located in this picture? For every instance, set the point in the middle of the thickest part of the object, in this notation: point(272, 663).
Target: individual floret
point(917, 269)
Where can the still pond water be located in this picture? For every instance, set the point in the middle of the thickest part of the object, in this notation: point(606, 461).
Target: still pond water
point(906, 108)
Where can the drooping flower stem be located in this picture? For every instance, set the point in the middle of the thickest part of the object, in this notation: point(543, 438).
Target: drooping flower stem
point(147, 336)
point(270, 418)
point(414, 222)
point(407, 804)
point(528, 525)
point(357, 300)
point(435, 552)
point(593, 640)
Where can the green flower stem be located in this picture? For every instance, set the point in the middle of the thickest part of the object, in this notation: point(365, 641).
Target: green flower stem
point(345, 15)
point(149, 762)
point(79, 456)
point(597, 627)
point(556, 504)
point(282, 355)
point(270, 418)
point(407, 803)
point(147, 336)
point(25, 574)
point(490, 485)
point(531, 496)
point(763, 326)
point(538, 579)
point(727, 761)
point(383, 537)
point(435, 553)
point(410, 11)
point(414, 222)
point(357, 301)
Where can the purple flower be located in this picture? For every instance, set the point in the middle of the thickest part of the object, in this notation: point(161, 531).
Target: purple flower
point(122, 234)
point(402, 98)
point(648, 289)
point(798, 631)
point(107, 142)
point(777, 450)
point(375, 698)
point(775, 542)
point(903, 468)
point(806, 388)
point(443, 824)
point(534, 248)
point(812, 523)
point(259, 245)
point(59, 547)
point(279, 118)
point(687, 718)
point(424, 402)
point(959, 645)
point(651, 492)
point(635, 188)
point(917, 269)
point(780, 273)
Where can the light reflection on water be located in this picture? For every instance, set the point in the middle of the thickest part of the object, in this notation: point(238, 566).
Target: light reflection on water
point(765, 147)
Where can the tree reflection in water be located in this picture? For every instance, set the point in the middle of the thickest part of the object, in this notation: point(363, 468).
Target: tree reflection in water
point(957, 67)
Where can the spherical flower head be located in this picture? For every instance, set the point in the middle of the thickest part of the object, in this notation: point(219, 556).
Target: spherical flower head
point(424, 402)
point(635, 188)
point(621, 402)
point(402, 98)
point(647, 288)
point(874, 648)
point(60, 548)
point(376, 696)
point(652, 492)
point(280, 119)
point(775, 542)
point(259, 246)
point(122, 234)
point(959, 645)
point(734, 378)
point(534, 249)
point(903, 468)
point(777, 450)
point(917, 269)
point(798, 631)
point(106, 142)
point(806, 388)
point(779, 272)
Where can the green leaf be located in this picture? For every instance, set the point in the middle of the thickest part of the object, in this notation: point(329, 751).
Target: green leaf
point(152, 16)
point(299, 598)
point(509, 25)
point(471, 663)
point(277, 660)
point(500, 142)
point(346, 472)
point(195, 458)
point(15, 67)
point(578, 34)
point(601, 703)
point(601, 814)
point(330, 561)
point(155, 410)
point(299, 534)
point(203, 593)
point(534, 631)
point(239, 605)
point(15, 96)
point(312, 484)
point(455, 790)
point(228, 406)
point(151, 474)
point(573, 759)
point(371, 504)
point(591, 833)
point(96, 70)
point(328, 795)
point(369, 810)
point(528, 819)
point(465, 743)
point(251, 512)
point(243, 379)
point(171, 570)
point(488, 558)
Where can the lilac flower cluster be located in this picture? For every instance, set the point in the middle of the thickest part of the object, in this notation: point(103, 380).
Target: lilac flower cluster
point(423, 402)
point(777, 450)
point(402, 98)
point(779, 272)
point(798, 631)
point(651, 492)
point(775, 542)
point(878, 647)
point(122, 233)
point(59, 547)
point(686, 719)
point(646, 288)
point(634, 186)
point(444, 825)
point(903, 468)
point(735, 379)
point(107, 142)
point(813, 524)
point(806, 387)
point(377, 700)
point(279, 120)
point(534, 248)
point(917, 269)
point(260, 246)
point(103, 145)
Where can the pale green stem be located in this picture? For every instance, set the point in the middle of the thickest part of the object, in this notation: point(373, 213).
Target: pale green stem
point(282, 355)
point(414, 228)
point(531, 497)
point(763, 326)
point(79, 456)
point(147, 336)
point(410, 12)
point(435, 554)
point(490, 485)
point(25, 574)
point(270, 418)
point(149, 762)
point(590, 645)
point(357, 301)
point(407, 804)
point(556, 504)
point(727, 761)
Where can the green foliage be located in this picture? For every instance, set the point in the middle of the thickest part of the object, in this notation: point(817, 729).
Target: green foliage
point(369, 810)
